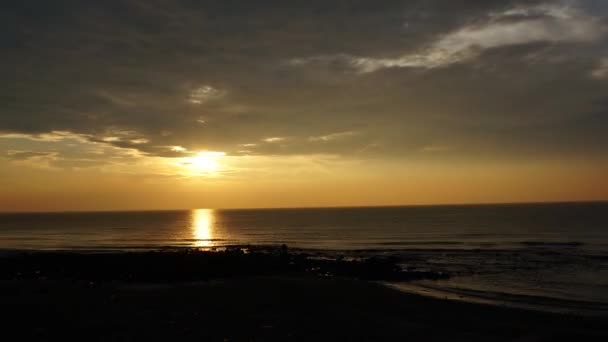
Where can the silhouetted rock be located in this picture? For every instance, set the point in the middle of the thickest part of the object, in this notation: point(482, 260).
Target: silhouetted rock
point(190, 265)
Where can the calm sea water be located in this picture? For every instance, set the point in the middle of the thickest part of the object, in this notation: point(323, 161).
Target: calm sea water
point(551, 256)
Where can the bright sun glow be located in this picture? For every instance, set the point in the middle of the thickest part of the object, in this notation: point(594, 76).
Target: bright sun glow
point(206, 162)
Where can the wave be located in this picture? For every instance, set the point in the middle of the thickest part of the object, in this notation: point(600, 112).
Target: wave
point(422, 243)
point(524, 301)
point(553, 243)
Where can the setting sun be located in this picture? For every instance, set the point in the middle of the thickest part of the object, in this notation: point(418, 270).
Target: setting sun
point(206, 162)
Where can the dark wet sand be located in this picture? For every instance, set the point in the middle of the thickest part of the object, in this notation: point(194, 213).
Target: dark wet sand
point(267, 309)
point(58, 297)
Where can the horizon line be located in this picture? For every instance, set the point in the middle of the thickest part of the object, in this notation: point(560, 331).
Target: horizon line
point(314, 207)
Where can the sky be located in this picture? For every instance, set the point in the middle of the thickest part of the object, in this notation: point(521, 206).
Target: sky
point(149, 104)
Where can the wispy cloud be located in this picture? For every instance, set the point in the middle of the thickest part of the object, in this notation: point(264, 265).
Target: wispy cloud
point(27, 155)
point(273, 139)
point(34, 159)
point(119, 137)
point(204, 94)
point(517, 26)
point(52, 136)
point(111, 139)
point(436, 148)
point(139, 141)
point(332, 136)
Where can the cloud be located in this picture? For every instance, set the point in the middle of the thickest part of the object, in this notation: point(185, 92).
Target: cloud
point(601, 71)
point(111, 139)
point(34, 159)
point(436, 148)
point(116, 138)
point(204, 94)
point(548, 23)
point(333, 136)
point(119, 138)
point(27, 155)
point(147, 79)
point(139, 141)
point(273, 139)
point(52, 136)
point(178, 149)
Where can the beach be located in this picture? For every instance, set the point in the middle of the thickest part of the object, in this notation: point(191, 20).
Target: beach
point(241, 295)
point(550, 257)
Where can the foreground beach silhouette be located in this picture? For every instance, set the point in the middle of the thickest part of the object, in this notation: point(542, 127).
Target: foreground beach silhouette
point(248, 294)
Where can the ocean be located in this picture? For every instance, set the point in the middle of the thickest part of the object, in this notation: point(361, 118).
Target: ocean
point(543, 256)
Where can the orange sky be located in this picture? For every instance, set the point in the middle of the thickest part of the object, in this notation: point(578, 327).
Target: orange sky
point(336, 183)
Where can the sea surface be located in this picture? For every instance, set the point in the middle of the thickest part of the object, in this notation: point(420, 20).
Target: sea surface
point(543, 256)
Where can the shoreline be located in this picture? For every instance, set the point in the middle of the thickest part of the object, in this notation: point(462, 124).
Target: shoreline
point(266, 294)
point(182, 264)
point(505, 300)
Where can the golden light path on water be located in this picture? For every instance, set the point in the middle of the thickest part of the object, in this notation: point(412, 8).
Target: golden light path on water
point(202, 221)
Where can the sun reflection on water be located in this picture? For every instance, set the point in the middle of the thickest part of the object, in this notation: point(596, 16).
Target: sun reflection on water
point(202, 227)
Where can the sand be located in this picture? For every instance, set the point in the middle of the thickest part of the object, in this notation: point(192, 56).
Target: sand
point(247, 307)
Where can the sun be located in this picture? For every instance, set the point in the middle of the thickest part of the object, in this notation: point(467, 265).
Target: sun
point(206, 162)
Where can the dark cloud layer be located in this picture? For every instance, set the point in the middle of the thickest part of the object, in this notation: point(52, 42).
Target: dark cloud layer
point(402, 76)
